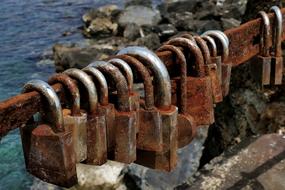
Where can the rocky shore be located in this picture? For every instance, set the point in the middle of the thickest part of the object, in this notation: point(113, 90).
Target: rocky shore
point(246, 112)
point(110, 28)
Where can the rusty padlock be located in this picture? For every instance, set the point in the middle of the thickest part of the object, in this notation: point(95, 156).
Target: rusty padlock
point(216, 59)
point(74, 117)
point(96, 124)
point(167, 158)
point(186, 125)
point(134, 96)
point(277, 59)
point(105, 107)
point(211, 70)
point(149, 137)
point(51, 155)
point(226, 65)
point(199, 88)
point(125, 120)
point(261, 69)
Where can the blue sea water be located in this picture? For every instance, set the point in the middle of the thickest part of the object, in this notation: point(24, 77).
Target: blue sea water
point(28, 29)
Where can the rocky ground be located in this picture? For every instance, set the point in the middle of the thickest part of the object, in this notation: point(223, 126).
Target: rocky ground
point(110, 28)
point(246, 112)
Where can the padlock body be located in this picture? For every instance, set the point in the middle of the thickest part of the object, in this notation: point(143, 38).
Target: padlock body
point(125, 139)
point(166, 159)
point(226, 78)
point(133, 102)
point(135, 106)
point(96, 139)
point(52, 157)
point(277, 70)
point(109, 112)
point(218, 61)
point(186, 129)
point(78, 126)
point(211, 70)
point(26, 133)
point(199, 99)
point(261, 70)
point(150, 131)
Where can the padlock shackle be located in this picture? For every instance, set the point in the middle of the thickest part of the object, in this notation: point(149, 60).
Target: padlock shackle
point(277, 31)
point(119, 80)
point(125, 69)
point(103, 85)
point(181, 60)
point(223, 40)
point(212, 44)
point(50, 95)
point(160, 73)
point(204, 49)
point(194, 50)
point(185, 35)
point(71, 86)
point(146, 77)
point(264, 34)
point(89, 86)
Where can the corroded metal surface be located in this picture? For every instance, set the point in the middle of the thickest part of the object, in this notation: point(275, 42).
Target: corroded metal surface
point(104, 107)
point(69, 84)
point(277, 59)
point(75, 120)
point(186, 126)
point(49, 138)
point(150, 135)
point(125, 126)
point(211, 70)
point(244, 44)
point(199, 87)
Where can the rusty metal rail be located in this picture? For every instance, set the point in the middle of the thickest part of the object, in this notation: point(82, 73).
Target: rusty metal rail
point(244, 44)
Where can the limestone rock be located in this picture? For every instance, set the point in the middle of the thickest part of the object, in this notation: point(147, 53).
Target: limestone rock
point(139, 15)
point(102, 27)
point(105, 177)
point(105, 11)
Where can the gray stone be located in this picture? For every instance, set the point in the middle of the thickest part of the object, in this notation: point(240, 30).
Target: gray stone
point(259, 165)
point(234, 9)
point(166, 30)
point(132, 31)
point(228, 23)
point(74, 57)
point(145, 3)
point(150, 41)
point(189, 160)
point(207, 11)
point(201, 26)
point(139, 15)
point(179, 6)
point(182, 20)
